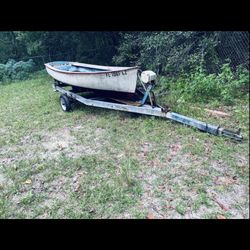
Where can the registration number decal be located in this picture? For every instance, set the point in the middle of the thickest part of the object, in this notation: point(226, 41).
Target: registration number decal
point(111, 74)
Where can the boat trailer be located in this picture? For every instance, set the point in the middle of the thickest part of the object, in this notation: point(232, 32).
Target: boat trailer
point(142, 102)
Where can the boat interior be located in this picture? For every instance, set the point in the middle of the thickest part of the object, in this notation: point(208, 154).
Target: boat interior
point(67, 66)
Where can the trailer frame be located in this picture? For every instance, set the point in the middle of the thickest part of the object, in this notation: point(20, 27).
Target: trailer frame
point(141, 107)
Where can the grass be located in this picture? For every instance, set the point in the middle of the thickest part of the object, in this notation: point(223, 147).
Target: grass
point(97, 163)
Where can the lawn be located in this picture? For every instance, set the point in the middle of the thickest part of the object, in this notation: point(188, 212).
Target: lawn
point(97, 163)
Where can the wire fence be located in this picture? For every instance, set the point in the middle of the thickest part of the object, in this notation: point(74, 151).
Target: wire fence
point(211, 51)
point(233, 50)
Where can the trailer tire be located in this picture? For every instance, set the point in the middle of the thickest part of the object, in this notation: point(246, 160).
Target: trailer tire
point(65, 103)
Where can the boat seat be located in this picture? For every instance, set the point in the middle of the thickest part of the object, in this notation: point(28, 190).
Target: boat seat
point(73, 69)
point(64, 67)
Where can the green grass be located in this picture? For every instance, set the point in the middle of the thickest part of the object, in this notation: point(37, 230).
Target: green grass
point(97, 163)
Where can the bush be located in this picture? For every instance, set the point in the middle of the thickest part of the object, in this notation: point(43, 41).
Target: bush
point(13, 70)
point(2, 72)
point(200, 86)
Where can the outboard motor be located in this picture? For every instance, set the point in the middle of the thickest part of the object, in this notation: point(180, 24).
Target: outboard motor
point(148, 76)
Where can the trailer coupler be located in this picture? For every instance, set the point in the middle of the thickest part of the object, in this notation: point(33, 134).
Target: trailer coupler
point(203, 126)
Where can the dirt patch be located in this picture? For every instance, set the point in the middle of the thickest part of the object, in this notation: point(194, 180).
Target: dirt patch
point(144, 150)
point(150, 201)
point(64, 141)
point(171, 191)
point(235, 200)
point(56, 191)
point(58, 140)
point(50, 145)
point(46, 196)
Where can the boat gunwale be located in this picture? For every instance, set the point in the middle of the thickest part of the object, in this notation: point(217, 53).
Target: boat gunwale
point(47, 65)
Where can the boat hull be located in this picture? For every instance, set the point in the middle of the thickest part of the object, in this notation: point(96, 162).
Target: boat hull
point(121, 79)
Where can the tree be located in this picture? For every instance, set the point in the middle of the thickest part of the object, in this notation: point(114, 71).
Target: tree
point(177, 52)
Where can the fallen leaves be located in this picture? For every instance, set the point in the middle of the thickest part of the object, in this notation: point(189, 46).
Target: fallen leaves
point(222, 206)
point(76, 188)
point(75, 182)
point(168, 207)
point(61, 146)
point(221, 217)
point(6, 160)
point(225, 180)
point(175, 148)
point(217, 113)
point(150, 216)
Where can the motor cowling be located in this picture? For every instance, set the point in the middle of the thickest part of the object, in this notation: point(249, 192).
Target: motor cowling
point(148, 76)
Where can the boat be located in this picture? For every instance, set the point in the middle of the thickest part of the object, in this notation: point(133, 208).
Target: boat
point(90, 76)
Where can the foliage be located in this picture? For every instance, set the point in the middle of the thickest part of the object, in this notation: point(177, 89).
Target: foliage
point(13, 70)
point(93, 47)
point(175, 52)
point(167, 53)
point(203, 65)
point(10, 46)
point(200, 86)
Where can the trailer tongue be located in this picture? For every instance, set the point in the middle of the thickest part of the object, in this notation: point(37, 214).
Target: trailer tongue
point(142, 102)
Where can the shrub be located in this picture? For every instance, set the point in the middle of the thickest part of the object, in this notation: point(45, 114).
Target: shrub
point(200, 86)
point(2, 72)
point(13, 70)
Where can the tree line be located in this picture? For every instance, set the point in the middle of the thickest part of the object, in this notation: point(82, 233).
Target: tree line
point(166, 52)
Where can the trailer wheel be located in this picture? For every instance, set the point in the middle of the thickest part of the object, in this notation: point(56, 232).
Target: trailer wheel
point(65, 103)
